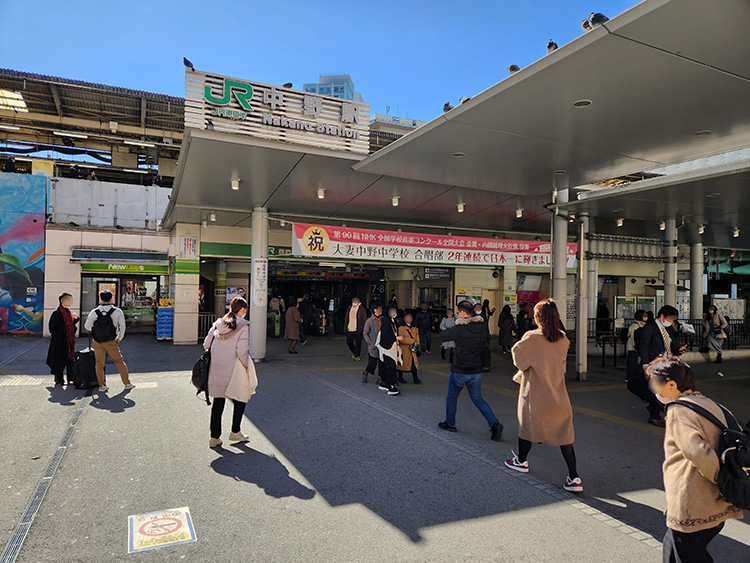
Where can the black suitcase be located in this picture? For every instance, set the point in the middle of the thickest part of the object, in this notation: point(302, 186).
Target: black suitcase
point(84, 369)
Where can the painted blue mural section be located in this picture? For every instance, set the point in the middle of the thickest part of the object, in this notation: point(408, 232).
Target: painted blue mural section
point(22, 218)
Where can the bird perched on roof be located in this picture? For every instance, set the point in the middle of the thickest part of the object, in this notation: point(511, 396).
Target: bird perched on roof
point(551, 46)
point(187, 63)
point(513, 69)
point(447, 106)
point(209, 125)
point(287, 85)
point(464, 99)
point(595, 19)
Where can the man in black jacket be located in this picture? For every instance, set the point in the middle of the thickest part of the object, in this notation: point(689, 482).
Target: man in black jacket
point(470, 336)
point(655, 339)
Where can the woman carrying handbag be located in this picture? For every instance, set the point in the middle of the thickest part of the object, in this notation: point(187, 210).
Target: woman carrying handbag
point(229, 344)
point(409, 349)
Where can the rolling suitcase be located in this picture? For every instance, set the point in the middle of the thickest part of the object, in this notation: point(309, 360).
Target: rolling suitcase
point(84, 368)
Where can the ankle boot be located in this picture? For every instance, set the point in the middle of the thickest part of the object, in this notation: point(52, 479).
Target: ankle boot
point(718, 359)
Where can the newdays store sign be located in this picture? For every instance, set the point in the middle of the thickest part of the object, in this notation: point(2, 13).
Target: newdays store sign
point(231, 105)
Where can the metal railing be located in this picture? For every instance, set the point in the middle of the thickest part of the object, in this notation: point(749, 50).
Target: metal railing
point(205, 320)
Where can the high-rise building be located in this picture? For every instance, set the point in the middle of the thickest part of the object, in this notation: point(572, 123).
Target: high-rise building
point(336, 85)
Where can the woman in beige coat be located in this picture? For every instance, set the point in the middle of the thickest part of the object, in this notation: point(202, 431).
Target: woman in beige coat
point(228, 340)
point(544, 411)
point(410, 336)
point(696, 511)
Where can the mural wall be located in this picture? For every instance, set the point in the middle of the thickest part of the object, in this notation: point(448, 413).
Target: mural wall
point(22, 218)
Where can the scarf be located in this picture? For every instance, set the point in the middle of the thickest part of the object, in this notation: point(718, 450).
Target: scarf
point(70, 330)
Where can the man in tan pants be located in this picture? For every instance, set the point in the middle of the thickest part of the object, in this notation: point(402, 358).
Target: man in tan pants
point(107, 326)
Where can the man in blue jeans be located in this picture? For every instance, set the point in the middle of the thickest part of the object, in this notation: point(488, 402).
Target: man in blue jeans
point(470, 336)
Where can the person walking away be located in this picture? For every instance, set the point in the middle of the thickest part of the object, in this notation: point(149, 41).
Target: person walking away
point(107, 326)
point(715, 325)
point(544, 411)
point(228, 340)
point(447, 322)
point(62, 343)
point(293, 329)
point(507, 327)
point(423, 321)
point(636, 378)
point(370, 335)
point(390, 351)
point(524, 323)
point(409, 350)
point(486, 354)
point(356, 317)
point(659, 338)
point(470, 336)
point(696, 511)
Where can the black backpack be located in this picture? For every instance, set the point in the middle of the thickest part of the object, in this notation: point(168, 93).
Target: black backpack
point(199, 378)
point(734, 456)
point(104, 329)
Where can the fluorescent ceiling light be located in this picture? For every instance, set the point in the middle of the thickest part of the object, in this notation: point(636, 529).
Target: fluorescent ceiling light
point(68, 134)
point(10, 127)
point(138, 143)
point(136, 170)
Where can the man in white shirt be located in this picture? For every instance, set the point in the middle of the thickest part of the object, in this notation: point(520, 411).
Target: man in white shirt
point(106, 324)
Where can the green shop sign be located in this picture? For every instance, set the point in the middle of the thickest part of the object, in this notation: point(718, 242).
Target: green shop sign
point(157, 269)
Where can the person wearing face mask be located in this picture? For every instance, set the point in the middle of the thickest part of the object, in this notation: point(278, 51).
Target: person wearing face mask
point(715, 325)
point(356, 317)
point(390, 351)
point(635, 378)
point(370, 335)
point(659, 338)
point(696, 510)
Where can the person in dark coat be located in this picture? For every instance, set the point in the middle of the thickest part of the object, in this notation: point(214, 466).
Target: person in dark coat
point(507, 327)
point(390, 351)
point(486, 311)
point(524, 323)
point(486, 353)
point(424, 323)
point(62, 344)
point(10, 164)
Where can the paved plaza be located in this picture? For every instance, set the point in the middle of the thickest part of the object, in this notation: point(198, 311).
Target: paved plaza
point(334, 470)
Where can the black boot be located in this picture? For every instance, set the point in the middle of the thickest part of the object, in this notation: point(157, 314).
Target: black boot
point(442, 353)
point(416, 378)
point(718, 359)
point(401, 378)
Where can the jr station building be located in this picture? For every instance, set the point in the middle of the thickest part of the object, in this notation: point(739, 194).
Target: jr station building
point(598, 175)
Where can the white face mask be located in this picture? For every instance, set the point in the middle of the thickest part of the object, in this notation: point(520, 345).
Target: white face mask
point(663, 400)
point(355, 304)
point(666, 324)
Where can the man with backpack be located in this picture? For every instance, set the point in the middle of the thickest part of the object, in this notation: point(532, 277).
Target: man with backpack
point(106, 324)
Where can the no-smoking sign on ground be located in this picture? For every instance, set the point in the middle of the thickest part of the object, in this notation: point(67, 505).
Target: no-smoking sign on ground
point(159, 529)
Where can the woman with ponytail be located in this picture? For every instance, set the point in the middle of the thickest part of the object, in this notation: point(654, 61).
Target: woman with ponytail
point(228, 340)
point(544, 411)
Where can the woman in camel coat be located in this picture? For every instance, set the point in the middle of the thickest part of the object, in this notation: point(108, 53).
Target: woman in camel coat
point(293, 320)
point(544, 411)
point(410, 336)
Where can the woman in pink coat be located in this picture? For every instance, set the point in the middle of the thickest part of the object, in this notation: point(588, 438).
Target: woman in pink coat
point(227, 340)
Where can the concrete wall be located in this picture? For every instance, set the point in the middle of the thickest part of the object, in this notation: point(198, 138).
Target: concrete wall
point(64, 276)
point(106, 204)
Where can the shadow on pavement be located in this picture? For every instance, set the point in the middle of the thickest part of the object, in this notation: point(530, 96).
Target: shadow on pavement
point(112, 403)
point(65, 396)
point(265, 471)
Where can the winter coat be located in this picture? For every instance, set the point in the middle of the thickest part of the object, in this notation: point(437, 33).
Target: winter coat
point(691, 466)
point(226, 346)
point(470, 336)
point(423, 320)
point(411, 336)
point(507, 325)
point(388, 344)
point(445, 324)
point(361, 318)
point(716, 320)
point(370, 335)
point(544, 411)
point(58, 353)
point(293, 319)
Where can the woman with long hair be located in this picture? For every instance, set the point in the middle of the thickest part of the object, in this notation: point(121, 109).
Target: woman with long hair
point(507, 326)
point(228, 340)
point(544, 411)
point(715, 326)
point(62, 344)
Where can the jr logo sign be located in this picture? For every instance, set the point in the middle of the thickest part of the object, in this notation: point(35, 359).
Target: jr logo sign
point(241, 90)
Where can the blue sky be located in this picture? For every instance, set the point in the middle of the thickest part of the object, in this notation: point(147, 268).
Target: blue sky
point(413, 55)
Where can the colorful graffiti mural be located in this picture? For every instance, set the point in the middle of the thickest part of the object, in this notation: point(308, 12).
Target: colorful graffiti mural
point(22, 217)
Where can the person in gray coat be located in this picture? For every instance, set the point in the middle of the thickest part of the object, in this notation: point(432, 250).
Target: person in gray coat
point(370, 335)
point(228, 340)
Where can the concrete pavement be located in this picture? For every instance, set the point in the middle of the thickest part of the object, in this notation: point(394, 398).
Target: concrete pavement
point(335, 470)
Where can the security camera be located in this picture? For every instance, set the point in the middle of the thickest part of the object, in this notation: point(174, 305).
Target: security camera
point(495, 274)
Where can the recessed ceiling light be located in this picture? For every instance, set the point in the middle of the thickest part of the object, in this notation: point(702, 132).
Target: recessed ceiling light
point(212, 216)
point(736, 232)
point(394, 201)
point(582, 103)
point(620, 222)
point(561, 172)
point(321, 193)
point(460, 207)
point(713, 194)
point(459, 154)
point(662, 225)
point(519, 212)
point(235, 184)
point(703, 133)
point(701, 229)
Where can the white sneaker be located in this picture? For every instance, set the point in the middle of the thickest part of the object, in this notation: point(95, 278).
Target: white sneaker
point(103, 389)
point(238, 437)
point(573, 485)
point(214, 442)
point(130, 386)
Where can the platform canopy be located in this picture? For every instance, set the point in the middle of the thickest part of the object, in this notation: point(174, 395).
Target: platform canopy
point(665, 82)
